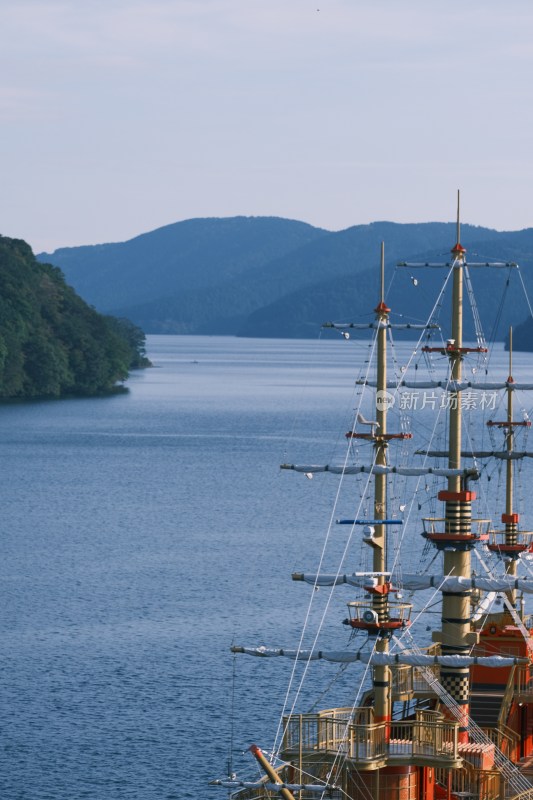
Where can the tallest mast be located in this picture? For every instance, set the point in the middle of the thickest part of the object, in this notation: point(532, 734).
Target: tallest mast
point(458, 510)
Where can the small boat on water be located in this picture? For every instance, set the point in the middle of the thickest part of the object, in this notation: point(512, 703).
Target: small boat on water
point(452, 717)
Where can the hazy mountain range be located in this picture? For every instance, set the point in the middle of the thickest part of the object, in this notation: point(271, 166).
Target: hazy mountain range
point(267, 276)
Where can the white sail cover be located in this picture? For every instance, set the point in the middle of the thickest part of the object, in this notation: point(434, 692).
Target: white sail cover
point(377, 324)
point(381, 659)
point(339, 656)
point(376, 469)
point(449, 583)
point(504, 455)
point(413, 582)
point(416, 660)
point(326, 579)
point(494, 264)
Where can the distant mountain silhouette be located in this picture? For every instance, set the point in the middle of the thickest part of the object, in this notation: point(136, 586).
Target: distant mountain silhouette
point(196, 254)
point(266, 276)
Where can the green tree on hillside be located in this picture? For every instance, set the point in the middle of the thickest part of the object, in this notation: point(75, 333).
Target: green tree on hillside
point(51, 342)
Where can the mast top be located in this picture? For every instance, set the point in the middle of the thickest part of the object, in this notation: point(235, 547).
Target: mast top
point(382, 307)
point(510, 378)
point(458, 249)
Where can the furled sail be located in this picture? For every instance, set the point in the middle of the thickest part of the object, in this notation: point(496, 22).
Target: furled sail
point(341, 656)
point(377, 469)
point(417, 660)
point(381, 659)
point(450, 583)
point(377, 324)
point(504, 455)
point(413, 582)
point(495, 264)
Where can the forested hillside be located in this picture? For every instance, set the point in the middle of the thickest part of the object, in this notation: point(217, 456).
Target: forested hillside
point(251, 276)
point(51, 342)
point(185, 257)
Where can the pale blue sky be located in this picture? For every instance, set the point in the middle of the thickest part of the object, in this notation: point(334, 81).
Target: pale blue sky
point(119, 117)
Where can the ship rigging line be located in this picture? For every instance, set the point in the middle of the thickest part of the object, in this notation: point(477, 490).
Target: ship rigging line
point(431, 316)
point(232, 718)
point(279, 736)
point(499, 313)
point(342, 752)
point(525, 292)
point(480, 337)
point(518, 622)
point(278, 739)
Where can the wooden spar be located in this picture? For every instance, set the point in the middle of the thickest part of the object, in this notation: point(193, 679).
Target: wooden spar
point(381, 675)
point(456, 608)
point(271, 772)
point(510, 527)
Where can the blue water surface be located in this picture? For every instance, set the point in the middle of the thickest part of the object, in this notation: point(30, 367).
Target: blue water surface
point(142, 534)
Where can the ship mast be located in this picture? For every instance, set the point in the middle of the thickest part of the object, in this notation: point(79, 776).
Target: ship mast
point(382, 702)
point(456, 619)
point(509, 518)
point(511, 547)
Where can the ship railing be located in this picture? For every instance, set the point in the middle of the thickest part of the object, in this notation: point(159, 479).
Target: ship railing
point(523, 685)
point(479, 527)
point(363, 714)
point(407, 681)
point(505, 739)
point(355, 733)
point(420, 683)
point(402, 681)
point(520, 540)
point(470, 782)
point(427, 736)
point(365, 617)
point(508, 695)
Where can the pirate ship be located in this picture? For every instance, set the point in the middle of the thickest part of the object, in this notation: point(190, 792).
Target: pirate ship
point(453, 717)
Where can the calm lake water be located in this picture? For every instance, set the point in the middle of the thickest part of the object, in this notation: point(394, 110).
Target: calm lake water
point(141, 535)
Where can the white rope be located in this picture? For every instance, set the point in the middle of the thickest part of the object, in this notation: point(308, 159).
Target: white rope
point(480, 337)
point(278, 740)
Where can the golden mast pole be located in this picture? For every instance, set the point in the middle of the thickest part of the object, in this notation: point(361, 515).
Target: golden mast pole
point(509, 518)
point(381, 679)
point(456, 607)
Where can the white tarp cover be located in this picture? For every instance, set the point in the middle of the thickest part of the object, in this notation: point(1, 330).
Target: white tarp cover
point(415, 660)
point(505, 455)
point(341, 469)
point(341, 656)
point(415, 582)
point(381, 659)
point(377, 324)
point(493, 264)
point(452, 584)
